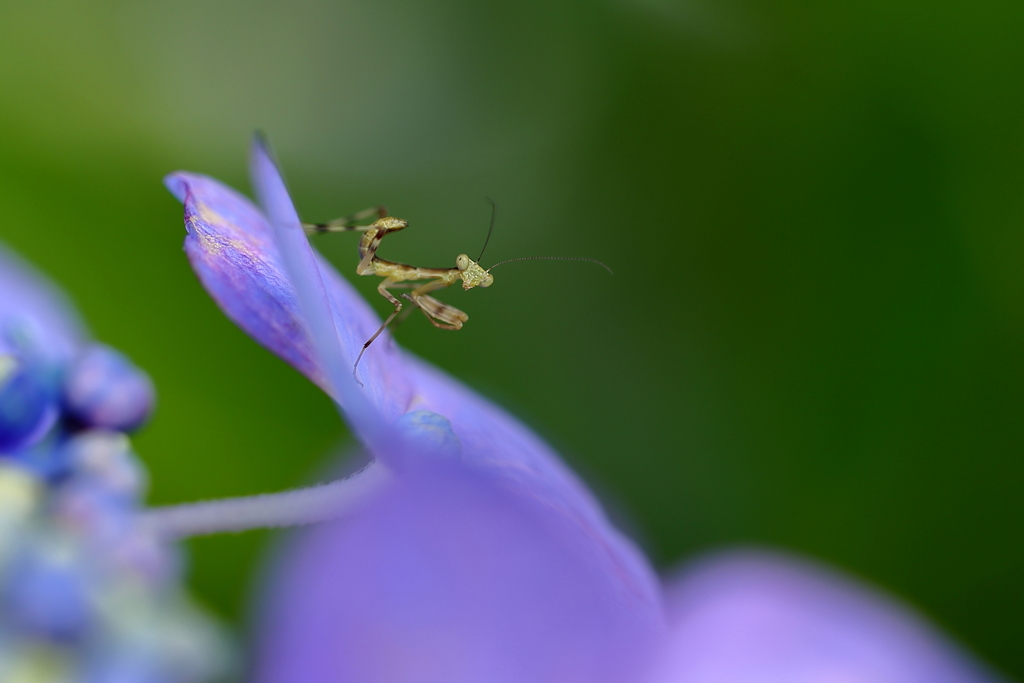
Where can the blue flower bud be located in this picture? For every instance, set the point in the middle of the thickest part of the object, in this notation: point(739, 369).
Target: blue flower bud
point(104, 389)
point(45, 458)
point(46, 592)
point(28, 401)
point(105, 459)
point(128, 667)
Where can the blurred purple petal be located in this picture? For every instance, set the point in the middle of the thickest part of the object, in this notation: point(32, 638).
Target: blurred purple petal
point(747, 617)
point(39, 331)
point(104, 459)
point(447, 577)
point(493, 441)
point(45, 593)
point(34, 312)
point(80, 575)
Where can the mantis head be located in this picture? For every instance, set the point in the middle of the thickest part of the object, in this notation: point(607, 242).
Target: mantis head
point(472, 274)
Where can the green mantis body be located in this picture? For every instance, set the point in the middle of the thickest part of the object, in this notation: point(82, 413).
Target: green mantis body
point(403, 276)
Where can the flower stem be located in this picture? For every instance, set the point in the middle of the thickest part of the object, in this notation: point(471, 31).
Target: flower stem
point(289, 508)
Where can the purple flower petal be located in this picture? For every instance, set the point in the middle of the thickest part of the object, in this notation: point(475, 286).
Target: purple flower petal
point(35, 313)
point(749, 617)
point(302, 268)
point(494, 441)
point(46, 594)
point(233, 251)
point(449, 577)
point(229, 245)
point(443, 417)
point(39, 331)
point(81, 575)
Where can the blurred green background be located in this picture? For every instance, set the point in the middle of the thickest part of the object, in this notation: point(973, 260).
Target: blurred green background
point(814, 338)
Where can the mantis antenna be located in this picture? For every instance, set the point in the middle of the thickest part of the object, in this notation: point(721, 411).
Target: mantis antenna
point(494, 214)
point(554, 258)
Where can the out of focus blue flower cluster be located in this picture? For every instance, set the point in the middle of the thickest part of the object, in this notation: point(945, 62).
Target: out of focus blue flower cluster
point(87, 592)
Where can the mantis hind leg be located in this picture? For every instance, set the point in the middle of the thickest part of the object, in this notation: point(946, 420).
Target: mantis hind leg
point(347, 223)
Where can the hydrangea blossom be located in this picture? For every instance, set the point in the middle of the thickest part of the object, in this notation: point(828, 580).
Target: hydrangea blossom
point(476, 554)
point(88, 593)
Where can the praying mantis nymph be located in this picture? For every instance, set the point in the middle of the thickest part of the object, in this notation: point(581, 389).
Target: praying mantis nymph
point(403, 276)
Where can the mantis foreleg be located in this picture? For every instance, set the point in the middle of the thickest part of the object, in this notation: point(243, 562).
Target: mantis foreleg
point(438, 313)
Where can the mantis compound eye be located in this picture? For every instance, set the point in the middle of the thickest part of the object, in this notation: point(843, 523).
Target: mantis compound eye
point(462, 261)
point(487, 281)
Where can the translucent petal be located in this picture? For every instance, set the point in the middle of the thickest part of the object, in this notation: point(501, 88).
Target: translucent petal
point(493, 441)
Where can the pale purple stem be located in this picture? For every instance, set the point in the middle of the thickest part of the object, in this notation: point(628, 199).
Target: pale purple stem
point(289, 508)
